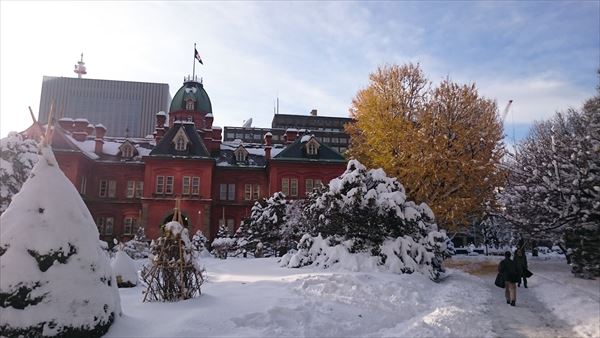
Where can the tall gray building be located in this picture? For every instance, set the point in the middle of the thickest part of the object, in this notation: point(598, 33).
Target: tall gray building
point(123, 107)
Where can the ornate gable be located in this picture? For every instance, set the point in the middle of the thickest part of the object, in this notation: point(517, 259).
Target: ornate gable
point(181, 140)
point(241, 154)
point(127, 150)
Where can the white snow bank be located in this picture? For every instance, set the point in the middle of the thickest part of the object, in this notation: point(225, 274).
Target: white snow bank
point(124, 269)
point(575, 300)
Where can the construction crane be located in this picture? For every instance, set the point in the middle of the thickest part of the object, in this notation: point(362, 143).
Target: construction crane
point(505, 112)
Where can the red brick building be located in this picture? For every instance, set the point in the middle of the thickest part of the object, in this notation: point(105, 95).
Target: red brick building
point(130, 182)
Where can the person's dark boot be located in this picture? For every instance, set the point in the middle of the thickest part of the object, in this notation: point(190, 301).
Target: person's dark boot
point(512, 303)
point(508, 302)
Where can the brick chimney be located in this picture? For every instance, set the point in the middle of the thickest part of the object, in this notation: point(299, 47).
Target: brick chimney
point(268, 145)
point(90, 129)
point(290, 135)
point(80, 133)
point(159, 130)
point(100, 132)
point(66, 123)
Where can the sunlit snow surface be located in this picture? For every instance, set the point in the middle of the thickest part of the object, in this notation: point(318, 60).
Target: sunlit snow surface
point(255, 297)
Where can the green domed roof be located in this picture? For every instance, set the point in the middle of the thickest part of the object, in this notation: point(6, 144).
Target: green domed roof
point(195, 91)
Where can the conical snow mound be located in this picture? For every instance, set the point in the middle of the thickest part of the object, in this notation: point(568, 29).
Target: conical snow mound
point(55, 279)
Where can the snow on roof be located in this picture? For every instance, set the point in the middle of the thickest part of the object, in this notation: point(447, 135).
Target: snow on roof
point(268, 134)
point(100, 125)
point(305, 138)
point(90, 125)
point(161, 113)
point(217, 128)
point(82, 120)
point(66, 119)
point(291, 129)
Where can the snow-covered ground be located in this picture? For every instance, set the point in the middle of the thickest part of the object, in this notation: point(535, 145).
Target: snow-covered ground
point(257, 298)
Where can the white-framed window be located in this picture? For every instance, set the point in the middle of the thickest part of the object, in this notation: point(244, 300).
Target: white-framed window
point(227, 192)
point(247, 192)
point(112, 188)
point(129, 224)
point(169, 184)
point(318, 183)
point(308, 183)
point(103, 189)
point(256, 192)
point(195, 185)
point(83, 185)
point(139, 189)
point(223, 192)
point(180, 144)
point(160, 185)
point(186, 185)
point(127, 152)
point(285, 186)
point(294, 187)
point(312, 148)
point(231, 192)
point(108, 227)
point(130, 189)
point(240, 156)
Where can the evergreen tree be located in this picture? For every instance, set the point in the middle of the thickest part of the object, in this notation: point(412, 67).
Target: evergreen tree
point(266, 225)
point(55, 278)
point(199, 243)
point(138, 247)
point(17, 158)
point(223, 244)
point(364, 211)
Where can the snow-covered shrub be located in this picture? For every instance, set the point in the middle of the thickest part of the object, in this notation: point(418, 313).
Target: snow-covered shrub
point(138, 247)
point(124, 269)
point(224, 243)
point(17, 158)
point(174, 273)
point(55, 278)
point(364, 211)
point(199, 244)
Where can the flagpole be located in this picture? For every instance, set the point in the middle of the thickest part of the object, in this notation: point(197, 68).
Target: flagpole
point(194, 71)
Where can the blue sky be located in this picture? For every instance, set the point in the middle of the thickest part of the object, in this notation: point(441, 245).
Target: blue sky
point(313, 55)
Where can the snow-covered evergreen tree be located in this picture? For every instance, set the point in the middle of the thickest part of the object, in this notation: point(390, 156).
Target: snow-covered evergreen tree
point(17, 158)
point(199, 243)
point(364, 211)
point(554, 185)
point(224, 243)
point(138, 247)
point(266, 225)
point(55, 279)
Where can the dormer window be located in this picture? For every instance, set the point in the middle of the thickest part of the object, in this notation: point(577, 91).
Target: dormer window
point(180, 140)
point(189, 105)
point(127, 150)
point(312, 147)
point(241, 154)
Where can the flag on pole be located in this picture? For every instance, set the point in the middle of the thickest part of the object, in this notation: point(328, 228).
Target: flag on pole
point(197, 56)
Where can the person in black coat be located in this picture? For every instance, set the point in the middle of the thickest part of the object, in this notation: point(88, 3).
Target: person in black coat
point(521, 260)
point(508, 269)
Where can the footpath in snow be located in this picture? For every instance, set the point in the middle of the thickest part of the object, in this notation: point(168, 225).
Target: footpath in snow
point(556, 304)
